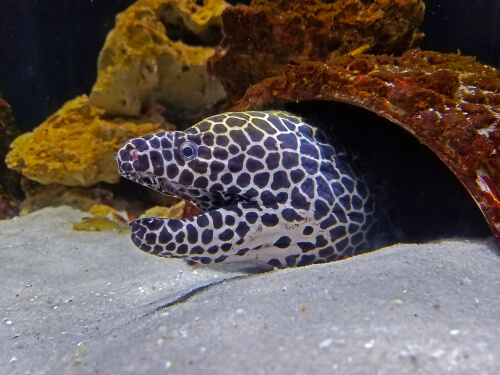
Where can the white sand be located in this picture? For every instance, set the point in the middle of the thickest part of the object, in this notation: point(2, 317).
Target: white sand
point(84, 303)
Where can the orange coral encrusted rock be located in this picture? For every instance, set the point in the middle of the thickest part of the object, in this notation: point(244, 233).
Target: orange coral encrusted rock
point(76, 145)
point(450, 103)
point(155, 59)
point(261, 39)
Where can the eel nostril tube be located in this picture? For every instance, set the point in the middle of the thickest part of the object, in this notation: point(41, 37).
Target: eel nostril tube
point(133, 154)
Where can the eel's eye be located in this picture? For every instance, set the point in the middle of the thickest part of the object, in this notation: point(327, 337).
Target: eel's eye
point(188, 150)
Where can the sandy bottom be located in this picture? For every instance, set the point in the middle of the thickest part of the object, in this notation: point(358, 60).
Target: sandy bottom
point(88, 303)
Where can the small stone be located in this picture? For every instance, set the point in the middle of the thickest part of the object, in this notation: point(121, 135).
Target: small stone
point(325, 343)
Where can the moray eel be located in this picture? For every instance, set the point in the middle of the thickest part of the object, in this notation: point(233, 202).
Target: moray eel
point(272, 189)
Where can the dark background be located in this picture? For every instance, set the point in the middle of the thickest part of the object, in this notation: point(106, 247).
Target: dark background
point(49, 48)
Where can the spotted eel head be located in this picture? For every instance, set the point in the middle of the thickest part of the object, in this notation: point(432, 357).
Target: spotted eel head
point(272, 190)
point(223, 159)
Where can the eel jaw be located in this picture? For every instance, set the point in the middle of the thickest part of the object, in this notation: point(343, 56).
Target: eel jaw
point(204, 199)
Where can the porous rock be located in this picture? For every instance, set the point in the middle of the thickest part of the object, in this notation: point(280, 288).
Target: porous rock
point(261, 39)
point(76, 146)
point(154, 60)
point(10, 188)
point(450, 103)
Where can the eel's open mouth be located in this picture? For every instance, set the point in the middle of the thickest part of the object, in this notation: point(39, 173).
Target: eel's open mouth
point(264, 181)
point(204, 199)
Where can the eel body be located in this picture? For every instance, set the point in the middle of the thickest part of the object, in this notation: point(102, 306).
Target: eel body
point(273, 191)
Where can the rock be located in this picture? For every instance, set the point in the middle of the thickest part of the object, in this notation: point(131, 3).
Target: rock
point(76, 145)
point(173, 212)
point(54, 195)
point(103, 218)
point(261, 39)
point(154, 60)
point(10, 188)
point(450, 103)
point(77, 302)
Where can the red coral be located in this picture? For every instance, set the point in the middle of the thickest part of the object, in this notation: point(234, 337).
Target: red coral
point(261, 39)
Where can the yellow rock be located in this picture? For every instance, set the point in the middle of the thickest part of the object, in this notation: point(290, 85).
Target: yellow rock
point(104, 218)
point(173, 212)
point(76, 145)
point(155, 58)
point(98, 224)
point(103, 210)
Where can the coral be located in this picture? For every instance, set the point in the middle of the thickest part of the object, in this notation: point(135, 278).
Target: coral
point(103, 217)
point(261, 39)
point(154, 60)
point(450, 103)
point(10, 189)
point(76, 145)
point(174, 212)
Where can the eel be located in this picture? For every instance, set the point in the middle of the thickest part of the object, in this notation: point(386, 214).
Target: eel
point(273, 191)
